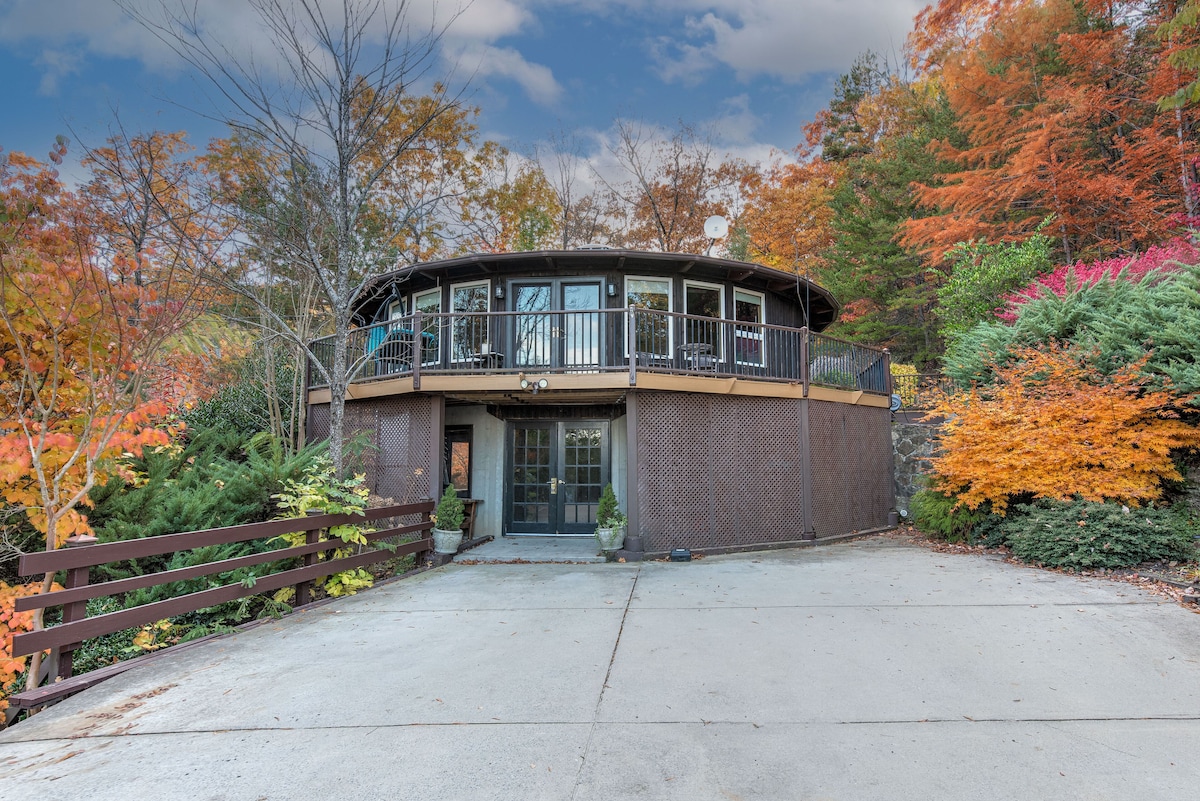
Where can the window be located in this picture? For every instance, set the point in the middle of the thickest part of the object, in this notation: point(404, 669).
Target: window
point(748, 330)
point(396, 309)
point(652, 335)
point(457, 467)
point(429, 303)
point(468, 331)
point(703, 336)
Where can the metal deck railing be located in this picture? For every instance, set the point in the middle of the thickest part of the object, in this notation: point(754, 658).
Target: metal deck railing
point(598, 341)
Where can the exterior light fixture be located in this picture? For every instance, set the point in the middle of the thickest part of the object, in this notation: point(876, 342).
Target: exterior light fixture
point(533, 386)
point(612, 289)
point(499, 291)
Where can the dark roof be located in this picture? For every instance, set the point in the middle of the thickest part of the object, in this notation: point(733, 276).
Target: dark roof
point(824, 307)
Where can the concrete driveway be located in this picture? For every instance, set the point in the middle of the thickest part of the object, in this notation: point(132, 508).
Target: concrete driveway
point(864, 670)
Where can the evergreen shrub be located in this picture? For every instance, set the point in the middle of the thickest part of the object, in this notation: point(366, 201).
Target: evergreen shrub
point(940, 516)
point(1082, 534)
point(449, 513)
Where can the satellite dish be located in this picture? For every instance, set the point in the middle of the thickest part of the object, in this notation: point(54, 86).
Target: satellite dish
point(716, 227)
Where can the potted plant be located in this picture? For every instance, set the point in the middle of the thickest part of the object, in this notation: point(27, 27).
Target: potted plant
point(447, 522)
point(610, 523)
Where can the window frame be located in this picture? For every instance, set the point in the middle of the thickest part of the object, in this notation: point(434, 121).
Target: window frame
point(670, 282)
point(756, 336)
point(453, 434)
point(435, 356)
point(719, 353)
point(486, 283)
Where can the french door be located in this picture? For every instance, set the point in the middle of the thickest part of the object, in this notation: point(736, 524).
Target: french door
point(556, 470)
point(560, 326)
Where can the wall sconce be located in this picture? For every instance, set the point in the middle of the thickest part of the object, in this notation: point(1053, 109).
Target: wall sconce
point(499, 291)
point(533, 386)
point(612, 289)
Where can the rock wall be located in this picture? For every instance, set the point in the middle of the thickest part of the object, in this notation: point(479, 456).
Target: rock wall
point(912, 445)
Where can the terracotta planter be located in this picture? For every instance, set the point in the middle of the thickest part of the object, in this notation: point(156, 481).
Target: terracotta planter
point(446, 541)
point(610, 539)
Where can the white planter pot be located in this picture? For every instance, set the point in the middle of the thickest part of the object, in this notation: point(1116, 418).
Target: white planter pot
point(446, 541)
point(611, 539)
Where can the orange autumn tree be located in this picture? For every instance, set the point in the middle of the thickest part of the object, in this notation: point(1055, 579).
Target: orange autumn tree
point(1058, 100)
point(78, 346)
point(1052, 426)
point(789, 214)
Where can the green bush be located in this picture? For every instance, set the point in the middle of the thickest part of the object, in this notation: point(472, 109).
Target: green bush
point(1120, 320)
point(1083, 534)
point(936, 515)
point(218, 479)
point(449, 513)
point(608, 514)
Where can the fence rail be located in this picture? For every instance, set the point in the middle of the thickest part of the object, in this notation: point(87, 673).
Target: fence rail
point(78, 561)
point(920, 391)
point(601, 340)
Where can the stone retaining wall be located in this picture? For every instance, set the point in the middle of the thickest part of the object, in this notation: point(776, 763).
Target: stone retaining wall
point(912, 445)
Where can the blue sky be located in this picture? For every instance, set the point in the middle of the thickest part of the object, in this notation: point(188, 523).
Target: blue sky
point(755, 70)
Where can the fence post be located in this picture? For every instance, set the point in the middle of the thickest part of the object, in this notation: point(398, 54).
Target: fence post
point(428, 558)
point(889, 385)
point(418, 348)
point(631, 344)
point(76, 610)
point(311, 537)
point(804, 360)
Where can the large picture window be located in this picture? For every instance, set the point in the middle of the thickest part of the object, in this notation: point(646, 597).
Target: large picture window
point(702, 336)
point(652, 335)
point(429, 303)
point(468, 331)
point(748, 330)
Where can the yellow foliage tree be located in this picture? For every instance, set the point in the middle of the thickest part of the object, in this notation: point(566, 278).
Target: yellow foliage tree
point(1053, 426)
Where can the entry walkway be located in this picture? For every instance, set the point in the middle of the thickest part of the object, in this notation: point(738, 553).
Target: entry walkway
point(864, 670)
point(502, 550)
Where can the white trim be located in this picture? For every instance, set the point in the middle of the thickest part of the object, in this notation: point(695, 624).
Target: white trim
point(396, 308)
point(758, 336)
point(687, 282)
point(487, 296)
point(670, 308)
point(417, 297)
point(720, 289)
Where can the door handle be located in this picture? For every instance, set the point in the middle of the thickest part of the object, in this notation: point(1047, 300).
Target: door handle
point(554, 486)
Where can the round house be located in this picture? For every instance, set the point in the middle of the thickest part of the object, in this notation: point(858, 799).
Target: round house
point(702, 388)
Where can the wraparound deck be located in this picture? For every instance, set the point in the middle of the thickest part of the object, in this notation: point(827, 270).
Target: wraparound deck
point(600, 352)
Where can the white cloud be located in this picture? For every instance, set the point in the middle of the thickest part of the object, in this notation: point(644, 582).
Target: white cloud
point(56, 65)
point(787, 39)
point(100, 28)
point(736, 123)
point(482, 61)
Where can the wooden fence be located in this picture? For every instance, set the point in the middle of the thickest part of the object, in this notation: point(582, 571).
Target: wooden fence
point(83, 554)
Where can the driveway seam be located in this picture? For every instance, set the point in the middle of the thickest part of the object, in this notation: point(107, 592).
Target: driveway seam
point(640, 722)
point(587, 746)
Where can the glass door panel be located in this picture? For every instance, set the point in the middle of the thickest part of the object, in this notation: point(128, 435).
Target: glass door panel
point(583, 478)
point(531, 337)
point(581, 326)
point(533, 457)
point(557, 472)
point(558, 324)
